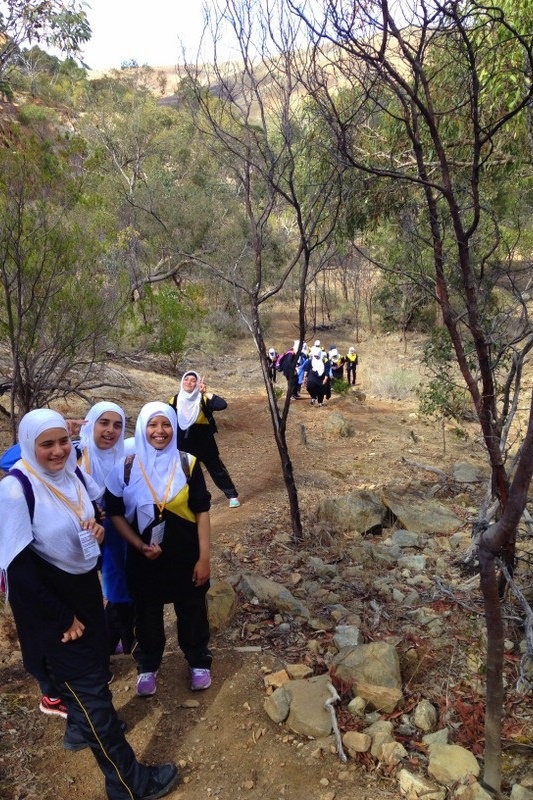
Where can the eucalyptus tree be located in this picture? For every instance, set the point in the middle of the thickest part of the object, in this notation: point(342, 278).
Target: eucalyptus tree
point(436, 70)
point(57, 308)
point(251, 110)
point(53, 23)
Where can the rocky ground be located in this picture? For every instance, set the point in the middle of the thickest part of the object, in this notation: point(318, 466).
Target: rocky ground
point(226, 744)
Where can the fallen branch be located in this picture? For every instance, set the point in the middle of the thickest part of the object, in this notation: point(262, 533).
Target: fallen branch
point(416, 464)
point(334, 724)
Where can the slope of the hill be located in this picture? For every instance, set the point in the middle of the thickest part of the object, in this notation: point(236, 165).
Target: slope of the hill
point(226, 745)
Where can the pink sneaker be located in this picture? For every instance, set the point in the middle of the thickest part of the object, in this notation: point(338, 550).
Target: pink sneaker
point(200, 678)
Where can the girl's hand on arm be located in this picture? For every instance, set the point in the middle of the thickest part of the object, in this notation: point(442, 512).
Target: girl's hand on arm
point(123, 527)
point(150, 551)
point(74, 632)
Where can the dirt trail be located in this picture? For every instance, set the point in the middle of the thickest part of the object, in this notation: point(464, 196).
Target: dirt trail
point(226, 745)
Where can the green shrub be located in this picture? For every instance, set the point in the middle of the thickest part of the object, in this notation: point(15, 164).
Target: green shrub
point(340, 386)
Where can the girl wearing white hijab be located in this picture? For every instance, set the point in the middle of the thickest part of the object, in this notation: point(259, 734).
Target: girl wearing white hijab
point(196, 430)
point(101, 446)
point(102, 440)
point(163, 514)
point(50, 559)
point(316, 375)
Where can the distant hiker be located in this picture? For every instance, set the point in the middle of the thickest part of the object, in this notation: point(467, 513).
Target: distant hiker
point(351, 365)
point(337, 364)
point(316, 372)
point(288, 364)
point(197, 427)
point(272, 357)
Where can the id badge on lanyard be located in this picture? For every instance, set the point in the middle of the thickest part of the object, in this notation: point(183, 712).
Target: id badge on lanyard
point(158, 532)
point(89, 545)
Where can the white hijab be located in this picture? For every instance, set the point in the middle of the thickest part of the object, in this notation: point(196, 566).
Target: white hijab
point(188, 403)
point(101, 462)
point(317, 364)
point(158, 466)
point(54, 531)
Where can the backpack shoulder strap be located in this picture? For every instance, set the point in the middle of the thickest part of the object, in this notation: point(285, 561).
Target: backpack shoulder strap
point(81, 476)
point(26, 488)
point(187, 463)
point(128, 464)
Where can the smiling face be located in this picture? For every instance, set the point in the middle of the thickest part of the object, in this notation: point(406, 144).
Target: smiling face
point(189, 383)
point(107, 430)
point(52, 449)
point(159, 432)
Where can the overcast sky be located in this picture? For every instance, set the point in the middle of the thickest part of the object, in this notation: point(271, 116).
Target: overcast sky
point(145, 30)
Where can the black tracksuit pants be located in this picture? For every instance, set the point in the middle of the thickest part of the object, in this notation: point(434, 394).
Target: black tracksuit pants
point(192, 627)
point(92, 717)
point(219, 473)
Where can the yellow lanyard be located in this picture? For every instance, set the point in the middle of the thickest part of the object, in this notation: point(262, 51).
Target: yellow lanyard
point(76, 508)
point(159, 503)
point(86, 461)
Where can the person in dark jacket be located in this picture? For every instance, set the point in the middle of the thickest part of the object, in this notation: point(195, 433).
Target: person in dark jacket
point(197, 427)
point(49, 562)
point(316, 375)
point(288, 363)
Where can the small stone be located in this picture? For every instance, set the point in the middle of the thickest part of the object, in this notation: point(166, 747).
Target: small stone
point(296, 671)
point(276, 679)
point(190, 704)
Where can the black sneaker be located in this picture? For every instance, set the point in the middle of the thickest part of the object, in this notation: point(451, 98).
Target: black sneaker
point(161, 781)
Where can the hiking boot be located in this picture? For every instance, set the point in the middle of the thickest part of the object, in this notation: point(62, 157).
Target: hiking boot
point(234, 502)
point(146, 684)
point(53, 706)
point(73, 741)
point(200, 678)
point(161, 780)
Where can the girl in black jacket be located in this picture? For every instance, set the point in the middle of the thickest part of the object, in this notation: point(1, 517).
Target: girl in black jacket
point(196, 430)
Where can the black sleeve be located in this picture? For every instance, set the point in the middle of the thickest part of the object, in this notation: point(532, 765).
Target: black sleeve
point(114, 505)
point(29, 597)
point(199, 497)
point(215, 403)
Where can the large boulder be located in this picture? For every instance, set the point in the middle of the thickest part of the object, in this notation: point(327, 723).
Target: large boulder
point(372, 671)
point(360, 511)
point(270, 594)
point(416, 512)
point(220, 605)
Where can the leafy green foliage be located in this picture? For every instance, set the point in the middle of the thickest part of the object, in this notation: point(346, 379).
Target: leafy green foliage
point(171, 313)
point(53, 301)
point(443, 395)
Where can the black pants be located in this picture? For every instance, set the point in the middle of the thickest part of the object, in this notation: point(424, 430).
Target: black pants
point(192, 627)
point(219, 474)
point(316, 390)
point(119, 624)
point(92, 717)
point(351, 371)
